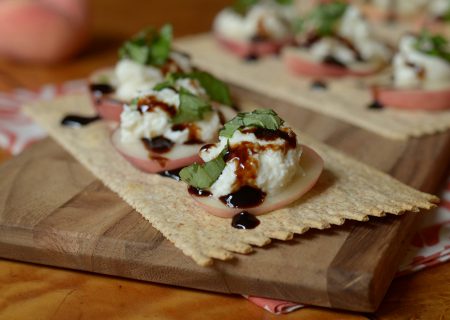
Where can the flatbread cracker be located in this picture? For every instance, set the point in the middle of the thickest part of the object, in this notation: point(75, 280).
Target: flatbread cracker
point(345, 99)
point(347, 189)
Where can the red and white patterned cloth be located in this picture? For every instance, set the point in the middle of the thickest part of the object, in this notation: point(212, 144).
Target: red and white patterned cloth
point(429, 247)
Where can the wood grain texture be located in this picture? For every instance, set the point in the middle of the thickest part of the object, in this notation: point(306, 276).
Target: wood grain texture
point(87, 227)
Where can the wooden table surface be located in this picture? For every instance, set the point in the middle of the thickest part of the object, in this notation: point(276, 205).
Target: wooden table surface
point(39, 292)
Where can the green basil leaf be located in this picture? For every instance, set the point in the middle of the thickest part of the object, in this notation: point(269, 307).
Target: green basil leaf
point(202, 176)
point(135, 101)
point(433, 44)
point(161, 46)
point(192, 108)
point(242, 6)
point(323, 19)
point(163, 85)
point(285, 2)
point(216, 89)
point(148, 47)
point(263, 118)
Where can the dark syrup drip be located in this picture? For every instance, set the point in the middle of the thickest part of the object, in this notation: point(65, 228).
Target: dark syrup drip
point(161, 160)
point(221, 117)
point(158, 144)
point(101, 88)
point(251, 57)
point(333, 61)
point(148, 104)
point(172, 174)
point(375, 105)
point(194, 132)
point(73, 120)
point(258, 38)
point(313, 37)
point(319, 85)
point(271, 135)
point(245, 197)
point(198, 192)
point(171, 66)
point(207, 146)
point(244, 220)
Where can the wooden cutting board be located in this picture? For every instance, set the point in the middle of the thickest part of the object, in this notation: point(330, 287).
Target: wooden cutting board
point(52, 211)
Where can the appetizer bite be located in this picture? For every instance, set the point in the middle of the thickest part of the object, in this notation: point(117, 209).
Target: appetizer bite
point(334, 39)
point(393, 10)
point(256, 166)
point(437, 16)
point(144, 61)
point(253, 28)
point(440, 10)
point(421, 74)
point(164, 128)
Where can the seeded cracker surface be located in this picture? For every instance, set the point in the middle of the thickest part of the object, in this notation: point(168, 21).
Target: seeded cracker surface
point(344, 99)
point(347, 189)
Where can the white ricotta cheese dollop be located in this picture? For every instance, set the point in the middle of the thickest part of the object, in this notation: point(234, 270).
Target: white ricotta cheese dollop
point(135, 125)
point(276, 163)
point(439, 8)
point(413, 68)
point(354, 28)
point(401, 7)
point(274, 19)
point(131, 77)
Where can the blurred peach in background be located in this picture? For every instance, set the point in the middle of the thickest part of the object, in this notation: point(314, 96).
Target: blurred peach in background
point(43, 31)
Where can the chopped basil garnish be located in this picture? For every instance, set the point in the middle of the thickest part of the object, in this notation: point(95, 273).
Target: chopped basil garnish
point(134, 102)
point(433, 45)
point(202, 176)
point(323, 19)
point(148, 47)
point(243, 6)
point(163, 85)
point(216, 89)
point(192, 108)
point(263, 118)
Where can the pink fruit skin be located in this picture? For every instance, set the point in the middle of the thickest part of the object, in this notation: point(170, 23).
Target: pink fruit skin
point(42, 31)
point(153, 166)
point(243, 49)
point(107, 109)
point(224, 212)
point(429, 100)
point(313, 69)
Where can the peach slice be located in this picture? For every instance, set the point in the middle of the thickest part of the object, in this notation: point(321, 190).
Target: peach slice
point(302, 182)
point(244, 49)
point(63, 24)
point(413, 99)
point(179, 156)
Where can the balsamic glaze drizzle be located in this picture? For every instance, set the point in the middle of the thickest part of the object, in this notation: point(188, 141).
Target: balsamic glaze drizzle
point(319, 85)
point(375, 105)
point(244, 220)
point(198, 192)
point(101, 88)
point(157, 144)
point(245, 197)
point(252, 57)
point(76, 121)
